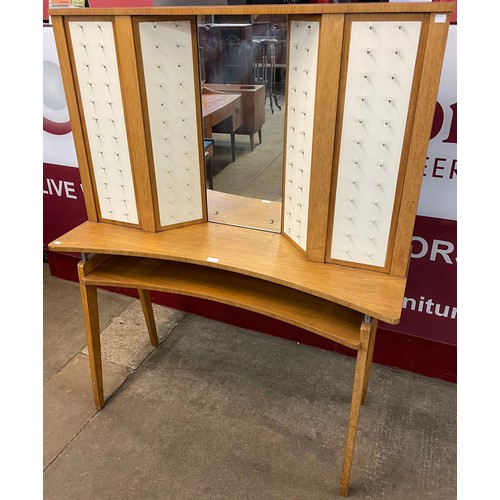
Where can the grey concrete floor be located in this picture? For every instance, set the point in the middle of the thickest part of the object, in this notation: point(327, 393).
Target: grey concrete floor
point(257, 173)
point(219, 412)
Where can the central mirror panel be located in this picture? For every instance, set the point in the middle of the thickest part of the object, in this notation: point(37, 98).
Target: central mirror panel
point(243, 72)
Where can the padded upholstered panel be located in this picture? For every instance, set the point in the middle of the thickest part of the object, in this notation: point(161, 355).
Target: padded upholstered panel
point(380, 72)
point(167, 55)
point(99, 83)
point(301, 89)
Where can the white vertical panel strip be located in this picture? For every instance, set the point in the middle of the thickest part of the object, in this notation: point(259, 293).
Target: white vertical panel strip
point(381, 64)
point(301, 89)
point(167, 54)
point(99, 83)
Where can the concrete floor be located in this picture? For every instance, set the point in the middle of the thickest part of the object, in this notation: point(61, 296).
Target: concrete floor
point(219, 412)
point(257, 173)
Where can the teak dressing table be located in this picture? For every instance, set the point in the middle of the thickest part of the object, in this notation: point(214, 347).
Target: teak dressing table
point(361, 89)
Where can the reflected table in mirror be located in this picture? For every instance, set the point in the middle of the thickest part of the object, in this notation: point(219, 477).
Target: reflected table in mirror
point(254, 112)
point(218, 107)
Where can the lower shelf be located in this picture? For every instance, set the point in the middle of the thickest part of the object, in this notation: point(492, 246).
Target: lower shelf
point(311, 313)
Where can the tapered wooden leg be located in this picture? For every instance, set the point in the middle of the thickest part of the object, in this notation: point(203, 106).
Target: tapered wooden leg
point(357, 394)
point(371, 345)
point(260, 136)
point(147, 309)
point(91, 318)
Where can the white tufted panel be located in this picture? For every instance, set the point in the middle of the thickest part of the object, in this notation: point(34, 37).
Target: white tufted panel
point(301, 89)
point(167, 54)
point(99, 82)
point(381, 64)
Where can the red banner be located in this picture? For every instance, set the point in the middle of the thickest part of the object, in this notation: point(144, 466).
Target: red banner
point(63, 203)
point(430, 304)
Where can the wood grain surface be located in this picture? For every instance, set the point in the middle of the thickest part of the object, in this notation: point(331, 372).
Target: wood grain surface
point(262, 9)
point(260, 254)
point(317, 315)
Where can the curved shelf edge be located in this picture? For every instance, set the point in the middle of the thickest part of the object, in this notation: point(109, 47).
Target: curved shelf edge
point(313, 314)
point(259, 254)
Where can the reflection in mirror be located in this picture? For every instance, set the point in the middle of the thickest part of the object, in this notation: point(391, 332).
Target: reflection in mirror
point(243, 70)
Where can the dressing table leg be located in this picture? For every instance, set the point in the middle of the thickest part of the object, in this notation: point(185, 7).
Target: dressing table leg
point(357, 394)
point(147, 309)
point(371, 345)
point(91, 318)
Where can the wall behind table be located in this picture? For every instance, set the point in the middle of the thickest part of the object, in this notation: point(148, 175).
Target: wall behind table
point(425, 339)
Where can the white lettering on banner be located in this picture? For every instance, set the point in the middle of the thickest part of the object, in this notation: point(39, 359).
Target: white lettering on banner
point(428, 306)
point(60, 188)
point(438, 247)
